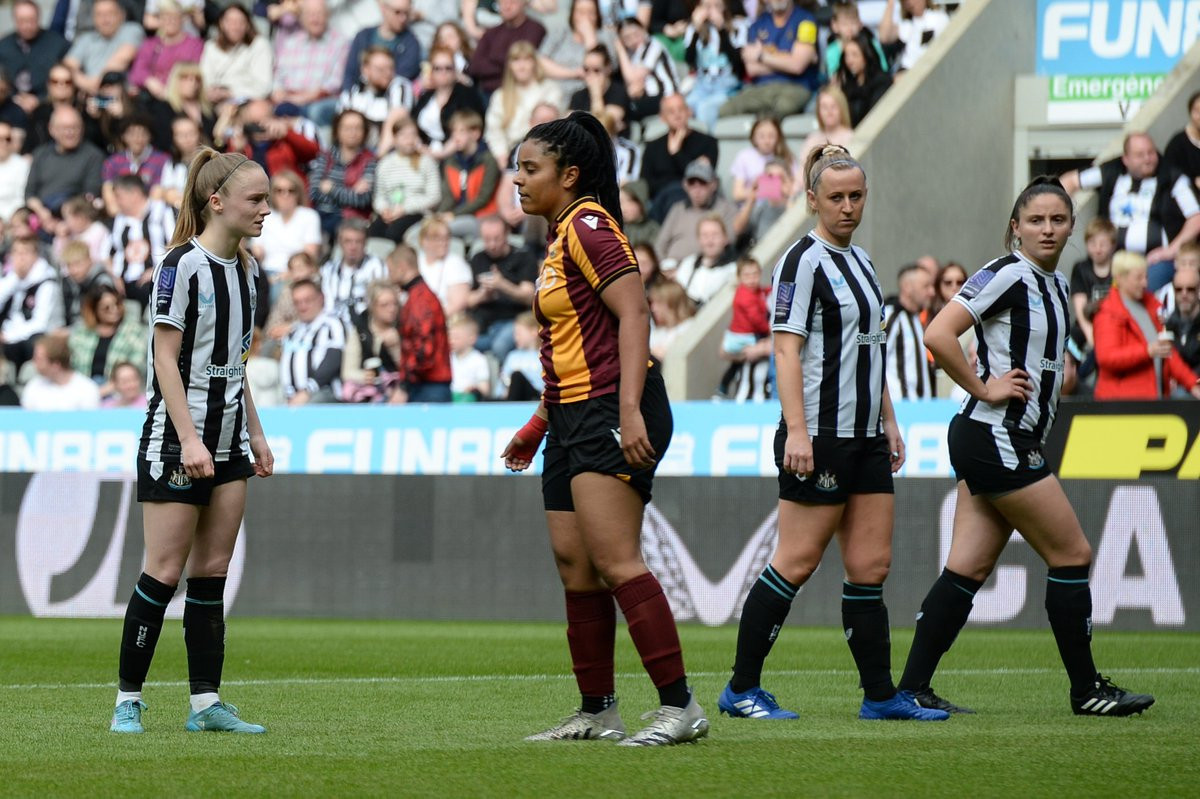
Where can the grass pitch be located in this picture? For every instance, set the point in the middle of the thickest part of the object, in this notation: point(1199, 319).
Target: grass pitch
point(439, 709)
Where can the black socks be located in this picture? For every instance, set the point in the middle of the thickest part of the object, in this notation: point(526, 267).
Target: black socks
point(865, 622)
point(943, 614)
point(766, 608)
point(204, 632)
point(1069, 606)
point(143, 623)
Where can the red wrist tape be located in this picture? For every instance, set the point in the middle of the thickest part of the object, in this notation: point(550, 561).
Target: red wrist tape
point(531, 436)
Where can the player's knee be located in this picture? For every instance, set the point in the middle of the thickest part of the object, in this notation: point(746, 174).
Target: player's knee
point(796, 570)
point(871, 573)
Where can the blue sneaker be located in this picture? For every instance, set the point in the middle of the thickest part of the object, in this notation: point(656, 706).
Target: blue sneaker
point(128, 717)
point(220, 717)
point(753, 704)
point(901, 707)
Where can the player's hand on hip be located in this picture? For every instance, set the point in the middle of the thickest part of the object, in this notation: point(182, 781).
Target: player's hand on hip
point(635, 441)
point(197, 461)
point(1013, 385)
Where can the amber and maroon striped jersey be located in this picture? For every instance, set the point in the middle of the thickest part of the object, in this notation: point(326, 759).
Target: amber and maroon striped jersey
point(579, 354)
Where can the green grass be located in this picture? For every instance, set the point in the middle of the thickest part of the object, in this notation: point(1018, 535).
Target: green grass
point(439, 709)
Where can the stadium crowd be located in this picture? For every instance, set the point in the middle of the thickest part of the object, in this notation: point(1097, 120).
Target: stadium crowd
point(405, 132)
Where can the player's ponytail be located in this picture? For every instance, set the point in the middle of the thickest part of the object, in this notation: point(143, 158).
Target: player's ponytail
point(1042, 184)
point(208, 174)
point(580, 140)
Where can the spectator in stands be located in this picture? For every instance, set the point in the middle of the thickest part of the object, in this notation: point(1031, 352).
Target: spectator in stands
point(60, 92)
point(80, 275)
point(394, 35)
point(648, 266)
point(268, 139)
point(861, 78)
point(310, 62)
point(346, 278)
point(80, 222)
point(671, 313)
point(310, 367)
point(677, 239)
point(470, 372)
point(667, 158)
point(183, 96)
point(521, 372)
point(443, 96)
point(10, 112)
point(105, 112)
point(909, 372)
point(845, 23)
point(781, 61)
point(668, 22)
point(712, 55)
point(301, 266)
point(57, 387)
point(141, 228)
point(407, 184)
point(1133, 359)
point(14, 172)
point(767, 143)
point(445, 273)
point(1156, 228)
point(1183, 151)
point(342, 178)
point(563, 52)
point(639, 228)
point(491, 54)
point(920, 22)
point(771, 194)
point(157, 56)
point(626, 154)
point(425, 369)
point(237, 63)
point(603, 91)
point(193, 15)
point(713, 266)
point(950, 278)
point(129, 388)
point(833, 122)
point(371, 368)
point(8, 392)
point(524, 87)
point(1184, 321)
point(380, 94)
point(450, 36)
point(30, 301)
point(29, 53)
point(111, 47)
point(105, 335)
point(64, 167)
point(470, 175)
point(747, 341)
point(646, 68)
point(291, 227)
point(186, 139)
point(502, 288)
point(136, 158)
point(1091, 278)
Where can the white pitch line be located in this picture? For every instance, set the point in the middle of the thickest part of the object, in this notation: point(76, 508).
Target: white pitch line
point(502, 678)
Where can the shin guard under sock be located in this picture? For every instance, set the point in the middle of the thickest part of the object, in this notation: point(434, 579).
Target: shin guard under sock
point(766, 608)
point(143, 624)
point(865, 622)
point(591, 634)
point(204, 632)
point(652, 628)
point(1069, 606)
point(943, 614)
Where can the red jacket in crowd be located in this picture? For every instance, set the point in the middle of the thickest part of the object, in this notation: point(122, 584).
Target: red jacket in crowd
point(293, 152)
point(1124, 368)
point(425, 348)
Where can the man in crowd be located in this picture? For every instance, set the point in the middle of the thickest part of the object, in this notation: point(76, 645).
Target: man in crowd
point(345, 280)
point(909, 371)
point(425, 366)
point(63, 167)
point(310, 366)
point(276, 141)
point(310, 59)
point(503, 288)
point(58, 387)
point(666, 158)
point(111, 47)
point(28, 53)
point(394, 34)
point(1185, 321)
point(491, 54)
point(781, 60)
point(679, 237)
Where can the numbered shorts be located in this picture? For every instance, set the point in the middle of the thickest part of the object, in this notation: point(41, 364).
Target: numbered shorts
point(586, 437)
point(168, 482)
point(841, 467)
point(994, 460)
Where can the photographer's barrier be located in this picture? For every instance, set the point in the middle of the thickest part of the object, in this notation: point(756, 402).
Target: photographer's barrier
point(470, 545)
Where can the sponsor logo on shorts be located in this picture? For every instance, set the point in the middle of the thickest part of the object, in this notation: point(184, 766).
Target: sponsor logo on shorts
point(871, 339)
point(179, 480)
point(234, 370)
point(1035, 459)
point(827, 481)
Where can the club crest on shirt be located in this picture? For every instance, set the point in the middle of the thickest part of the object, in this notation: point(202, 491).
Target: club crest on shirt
point(179, 480)
point(975, 285)
point(827, 481)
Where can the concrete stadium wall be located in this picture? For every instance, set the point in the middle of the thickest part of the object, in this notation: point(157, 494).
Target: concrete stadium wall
point(937, 150)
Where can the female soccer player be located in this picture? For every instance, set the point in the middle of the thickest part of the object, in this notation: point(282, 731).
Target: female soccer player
point(609, 422)
point(1019, 307)
point(836, 448)
point(201, 429)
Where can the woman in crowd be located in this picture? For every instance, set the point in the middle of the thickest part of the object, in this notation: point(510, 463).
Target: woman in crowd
point(371, 366)
point(712, 268)
point(610, 423)
point(442, 96)
point(104, 336)
point(671, 314)
point(129, 387)
point(833, 121)
point(561, 53)
point(860, 77)
point(1134, 358)
point(237, 62)
point(837, 447)
point(195, 453)
point(407, 184)
point(292, 227)
point(950, 278)
point(1019, 303)
point(523, 88)
point(186, 140)
point(60, 91)
point(157, 56)
point(184, 96)
point(603, 91)
point(447, 274)
point(766, 143)
point(342, 178)
point(105, 112)
point(451, 36)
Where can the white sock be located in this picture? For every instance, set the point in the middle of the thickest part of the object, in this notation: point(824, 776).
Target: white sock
point(128, 696)
point(202, 701)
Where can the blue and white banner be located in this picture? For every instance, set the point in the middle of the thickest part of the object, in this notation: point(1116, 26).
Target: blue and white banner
point(711, 439)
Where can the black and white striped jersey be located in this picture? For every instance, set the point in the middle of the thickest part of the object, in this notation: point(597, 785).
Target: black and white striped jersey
point(212, 300)
point(629, 160)
point(830, 296)
point(909, 370)
point(662, 79)
point(155, 229)
point(345, 287)
point(311, 357)
point(1022, 321)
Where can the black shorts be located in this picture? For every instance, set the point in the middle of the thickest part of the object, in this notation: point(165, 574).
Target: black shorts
point(994, 460)
point(585, 437)
point(841, 467)
point(167, 482)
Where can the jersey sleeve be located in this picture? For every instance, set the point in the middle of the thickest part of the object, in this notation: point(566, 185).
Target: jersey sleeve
point(1090, 178)
point(792, 299)
point(601, 251)
point(171, 294)
point(986, 293)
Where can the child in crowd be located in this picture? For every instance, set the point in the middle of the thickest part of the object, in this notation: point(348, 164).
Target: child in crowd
point(129, 387)
point(80, 222)
point(470, 175)
point(471, 375)
point(80, 275)
point(845, 24)
point(1091, 278)
point(521, 374)
point(750, 323)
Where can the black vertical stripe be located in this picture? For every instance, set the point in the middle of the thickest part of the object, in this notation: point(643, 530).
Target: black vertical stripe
point(981, 355)
point(831, 356)
point(919, 360)
point(901, 372)
point(1018, 346)
point(1049, 377)
point(791, 259)
point(864, 398)
point(214, 409)
point(187, 347)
